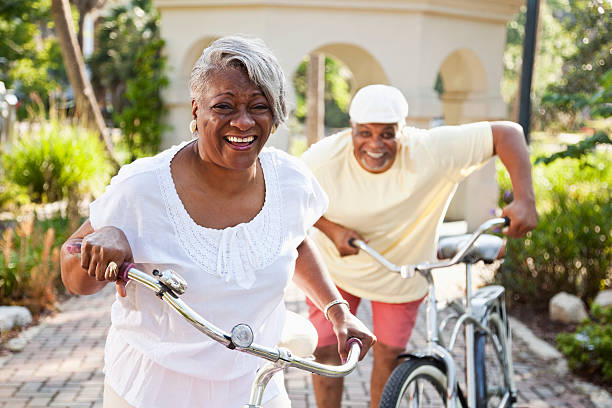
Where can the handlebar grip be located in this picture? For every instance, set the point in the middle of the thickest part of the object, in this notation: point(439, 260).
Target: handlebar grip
point(507, 223)
point(352, 242)
point(74, 247)
point(350, 342)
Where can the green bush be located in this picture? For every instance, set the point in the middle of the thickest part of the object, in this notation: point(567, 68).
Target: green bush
point(57, 161)
point(570, 249)
point(29, 262)
point(589, 348)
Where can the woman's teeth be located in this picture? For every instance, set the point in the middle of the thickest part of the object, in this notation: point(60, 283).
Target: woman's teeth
point(234, 139)
point(374, 155)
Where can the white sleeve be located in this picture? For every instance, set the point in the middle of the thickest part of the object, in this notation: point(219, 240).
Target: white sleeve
point(317, 201)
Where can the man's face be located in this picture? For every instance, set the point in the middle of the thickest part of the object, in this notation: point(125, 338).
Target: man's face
point(375, 145)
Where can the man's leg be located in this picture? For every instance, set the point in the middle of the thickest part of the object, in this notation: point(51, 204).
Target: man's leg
point(328, 391)
point(385, 361)
point(393, 324)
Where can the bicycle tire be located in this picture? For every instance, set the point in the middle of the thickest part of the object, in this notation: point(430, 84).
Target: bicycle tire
point(490, 354)
point(429, 375)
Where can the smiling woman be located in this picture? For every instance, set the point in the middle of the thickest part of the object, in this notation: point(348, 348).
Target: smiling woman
point(228, 215)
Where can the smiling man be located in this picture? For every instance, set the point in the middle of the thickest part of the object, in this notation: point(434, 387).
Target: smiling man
point(390, 185)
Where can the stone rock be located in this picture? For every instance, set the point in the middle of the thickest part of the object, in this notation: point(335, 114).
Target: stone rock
point(566, 308)
point(14, 316)
point(604, 298)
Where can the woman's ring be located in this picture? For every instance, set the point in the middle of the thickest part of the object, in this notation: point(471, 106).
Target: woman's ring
point(111, 271)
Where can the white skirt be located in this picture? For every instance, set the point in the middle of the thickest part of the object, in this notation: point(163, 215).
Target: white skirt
point(134, 381)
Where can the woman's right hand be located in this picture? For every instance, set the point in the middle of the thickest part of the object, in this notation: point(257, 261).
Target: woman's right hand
point(99, 249)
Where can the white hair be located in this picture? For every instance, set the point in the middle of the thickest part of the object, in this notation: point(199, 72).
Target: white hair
point(250, 54)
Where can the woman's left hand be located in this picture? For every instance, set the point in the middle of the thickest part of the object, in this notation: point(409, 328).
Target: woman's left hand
point(346, 325)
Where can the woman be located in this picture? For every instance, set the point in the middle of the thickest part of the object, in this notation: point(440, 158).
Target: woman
point(226, 214)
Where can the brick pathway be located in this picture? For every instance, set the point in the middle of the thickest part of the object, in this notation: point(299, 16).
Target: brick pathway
point(61, 365)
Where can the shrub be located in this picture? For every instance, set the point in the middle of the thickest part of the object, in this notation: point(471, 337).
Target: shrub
point(29, 263)
point(57, 161)
point(589, 348)
point(570, 249)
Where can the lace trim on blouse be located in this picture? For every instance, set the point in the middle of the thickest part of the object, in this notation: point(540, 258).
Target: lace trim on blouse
point(234, 253)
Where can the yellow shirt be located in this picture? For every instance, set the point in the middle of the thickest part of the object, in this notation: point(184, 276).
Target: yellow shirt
point(397, 211)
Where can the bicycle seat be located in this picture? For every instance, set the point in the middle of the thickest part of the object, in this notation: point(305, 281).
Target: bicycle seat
point(299, 335)
point(486, 248)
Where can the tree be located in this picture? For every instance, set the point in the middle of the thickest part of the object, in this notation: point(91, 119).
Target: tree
point(85, 7)
point(86, 105)
point(589, 23)
point(337, 92)
point(129, 66)
point(30, 58)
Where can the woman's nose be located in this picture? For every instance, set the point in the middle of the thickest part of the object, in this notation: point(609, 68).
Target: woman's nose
point(243, 120)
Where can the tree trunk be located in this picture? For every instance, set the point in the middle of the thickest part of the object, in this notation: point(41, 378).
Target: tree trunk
point(80, 33)
point(86, 105)
point(315, 94)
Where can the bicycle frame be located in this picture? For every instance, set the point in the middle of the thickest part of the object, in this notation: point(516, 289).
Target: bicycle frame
point(168, 285)
point(473, 315)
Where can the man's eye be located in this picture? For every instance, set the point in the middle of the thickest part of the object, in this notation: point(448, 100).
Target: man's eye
point(364, 134)
point(388, 135)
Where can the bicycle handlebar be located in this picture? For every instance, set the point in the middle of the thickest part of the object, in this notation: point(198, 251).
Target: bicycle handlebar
point(170, 285)
point(408, 271)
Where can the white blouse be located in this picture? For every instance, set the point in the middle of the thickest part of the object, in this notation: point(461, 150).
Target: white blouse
point(234, 275)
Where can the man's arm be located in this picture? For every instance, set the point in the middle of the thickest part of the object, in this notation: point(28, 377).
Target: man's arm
point(339, 235)
point(510, 146)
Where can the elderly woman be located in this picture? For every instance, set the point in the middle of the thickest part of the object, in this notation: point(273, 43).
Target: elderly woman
point(229, 216)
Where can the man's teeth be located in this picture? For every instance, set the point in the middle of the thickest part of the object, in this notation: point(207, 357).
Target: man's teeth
point(234, 139)
point(374, 155)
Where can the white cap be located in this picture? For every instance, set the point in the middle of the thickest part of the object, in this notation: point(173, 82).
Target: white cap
point(378, 104)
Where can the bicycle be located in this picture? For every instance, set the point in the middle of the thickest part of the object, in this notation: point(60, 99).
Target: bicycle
point(169, 285)
point(429, 377)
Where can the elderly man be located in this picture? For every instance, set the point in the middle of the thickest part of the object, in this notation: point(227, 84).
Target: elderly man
point(390, 185)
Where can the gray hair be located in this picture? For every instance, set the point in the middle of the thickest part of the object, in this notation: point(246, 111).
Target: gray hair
point(250, 54)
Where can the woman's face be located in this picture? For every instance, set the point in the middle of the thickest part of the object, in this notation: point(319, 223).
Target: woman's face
point(375, 145)
point(234, 120)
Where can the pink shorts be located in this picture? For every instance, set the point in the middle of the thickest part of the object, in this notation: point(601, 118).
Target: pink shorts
point(393, 322)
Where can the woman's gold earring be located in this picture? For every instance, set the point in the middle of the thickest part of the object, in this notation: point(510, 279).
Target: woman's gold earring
point(193, 126)
point(273, 129)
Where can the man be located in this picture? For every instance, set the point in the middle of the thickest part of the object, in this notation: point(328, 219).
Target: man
point(390, 185)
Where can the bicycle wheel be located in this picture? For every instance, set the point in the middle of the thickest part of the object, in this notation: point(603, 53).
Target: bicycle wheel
point(490, 359)
point(416, 383)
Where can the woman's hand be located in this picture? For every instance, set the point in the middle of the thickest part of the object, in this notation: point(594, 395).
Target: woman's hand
point(102, 247)
point(346, 325)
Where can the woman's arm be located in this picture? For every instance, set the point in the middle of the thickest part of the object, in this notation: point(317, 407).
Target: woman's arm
point(86, 276)
point(312, 277)
point(510, 146)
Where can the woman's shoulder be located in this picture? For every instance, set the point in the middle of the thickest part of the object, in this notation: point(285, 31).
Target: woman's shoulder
point(144, 167)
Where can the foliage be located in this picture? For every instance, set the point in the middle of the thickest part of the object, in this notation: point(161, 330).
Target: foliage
point(570, 249)
point(585, 86)
point(29, 263)
point(129, 66)
point(337, 92)
point(577, 150)
point(589, 348)
point(554, 44)
point(30, 58)
point(56, 161)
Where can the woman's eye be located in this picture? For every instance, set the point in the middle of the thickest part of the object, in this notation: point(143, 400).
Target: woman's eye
point(222, 106)
point(261, 107)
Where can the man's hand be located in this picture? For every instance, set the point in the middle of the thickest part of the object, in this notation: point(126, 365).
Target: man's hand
point(523, 217)
point(339, 235)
